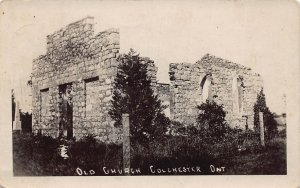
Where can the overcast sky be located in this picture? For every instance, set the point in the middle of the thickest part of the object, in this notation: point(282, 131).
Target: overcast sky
point(262, 35)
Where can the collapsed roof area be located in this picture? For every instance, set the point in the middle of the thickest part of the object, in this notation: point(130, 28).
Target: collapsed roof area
point(72, 85)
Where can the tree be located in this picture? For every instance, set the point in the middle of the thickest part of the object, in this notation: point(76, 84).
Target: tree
point(269, 121)
point(211, 119)
point(26, 119)
point(132, 94)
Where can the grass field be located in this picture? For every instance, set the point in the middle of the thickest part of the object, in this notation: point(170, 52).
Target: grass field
point(271, 160)
point(39, 156)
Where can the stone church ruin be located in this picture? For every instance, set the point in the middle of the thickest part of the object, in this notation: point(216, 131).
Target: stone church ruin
point(72, 85)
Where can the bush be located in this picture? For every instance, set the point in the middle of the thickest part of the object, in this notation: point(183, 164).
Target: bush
point(211, 121)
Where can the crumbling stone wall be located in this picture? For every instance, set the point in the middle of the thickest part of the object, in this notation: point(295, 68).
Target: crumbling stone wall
point(72, 85)
point(87, 62)
point(164, 94)
point(231, 84)
point(162, 90)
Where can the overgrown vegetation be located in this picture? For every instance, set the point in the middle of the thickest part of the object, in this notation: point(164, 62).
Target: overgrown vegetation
point(26, 122)
point(25, 117)
point(211, 120)
point(133, 95)
point(211, 141)
point(203, 145)
point(40, 156)
point(269, 121)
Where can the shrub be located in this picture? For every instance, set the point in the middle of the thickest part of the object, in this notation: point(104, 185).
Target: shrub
point(211, 120)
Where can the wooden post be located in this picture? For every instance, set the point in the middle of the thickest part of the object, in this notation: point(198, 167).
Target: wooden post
point(261, 128)
point(126, 143)
point(245, 122)
point(17, 123)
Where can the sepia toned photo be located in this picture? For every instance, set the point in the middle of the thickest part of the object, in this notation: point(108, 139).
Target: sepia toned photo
point(147, 89)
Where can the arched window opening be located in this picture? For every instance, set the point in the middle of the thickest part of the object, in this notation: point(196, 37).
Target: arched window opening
point(205, 88)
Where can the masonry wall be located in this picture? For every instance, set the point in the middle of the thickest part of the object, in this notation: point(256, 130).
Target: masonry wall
point(78, 70)
point(164, 95)
point(186, 89)
point(87, 62)
point(162, 90)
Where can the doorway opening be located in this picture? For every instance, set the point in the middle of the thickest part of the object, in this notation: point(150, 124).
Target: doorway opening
point(66, 111)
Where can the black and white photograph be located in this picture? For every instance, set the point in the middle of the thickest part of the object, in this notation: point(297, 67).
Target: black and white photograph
point(142, 89)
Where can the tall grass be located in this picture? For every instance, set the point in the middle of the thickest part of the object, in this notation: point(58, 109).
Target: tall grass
point(240, 152)
point(39, 156)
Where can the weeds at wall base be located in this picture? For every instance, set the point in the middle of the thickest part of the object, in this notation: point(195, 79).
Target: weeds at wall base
point(39, 156)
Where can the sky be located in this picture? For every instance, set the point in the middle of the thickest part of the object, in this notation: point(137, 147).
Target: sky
point(262, 35)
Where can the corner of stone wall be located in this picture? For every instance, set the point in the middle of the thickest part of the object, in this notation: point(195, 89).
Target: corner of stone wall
point(74, 55)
